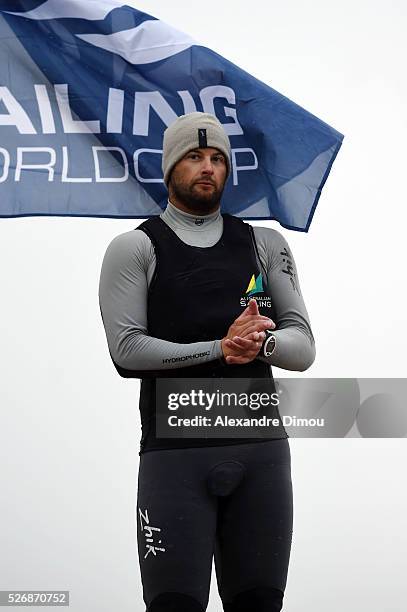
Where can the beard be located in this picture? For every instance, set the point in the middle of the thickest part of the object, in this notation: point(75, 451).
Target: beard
point(199, 201)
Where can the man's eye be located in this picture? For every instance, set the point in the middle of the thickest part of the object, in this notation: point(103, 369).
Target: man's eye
point(219, 158)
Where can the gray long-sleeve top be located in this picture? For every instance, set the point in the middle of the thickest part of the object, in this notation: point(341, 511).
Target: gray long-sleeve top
point(127, 270)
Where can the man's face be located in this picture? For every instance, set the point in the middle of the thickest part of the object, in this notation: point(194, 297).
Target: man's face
point(197, 180)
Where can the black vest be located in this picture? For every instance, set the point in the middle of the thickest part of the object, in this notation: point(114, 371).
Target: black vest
point(195, 295)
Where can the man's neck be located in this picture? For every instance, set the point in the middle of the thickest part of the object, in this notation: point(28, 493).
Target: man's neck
point(191, 221)
point(185, 208)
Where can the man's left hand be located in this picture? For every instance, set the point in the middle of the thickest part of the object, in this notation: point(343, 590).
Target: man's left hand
point(245, 347)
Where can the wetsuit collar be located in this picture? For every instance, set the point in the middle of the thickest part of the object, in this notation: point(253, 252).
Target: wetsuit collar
point(178, 218)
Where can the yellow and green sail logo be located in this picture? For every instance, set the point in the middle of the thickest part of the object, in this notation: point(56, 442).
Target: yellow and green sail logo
point(255, 285)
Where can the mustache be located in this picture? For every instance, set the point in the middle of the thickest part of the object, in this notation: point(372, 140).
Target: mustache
point(204, 180)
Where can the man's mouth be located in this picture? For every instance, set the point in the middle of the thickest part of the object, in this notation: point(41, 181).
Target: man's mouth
point(205, 183)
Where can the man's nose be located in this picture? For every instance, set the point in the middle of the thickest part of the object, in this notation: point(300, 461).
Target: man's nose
point(207, 165)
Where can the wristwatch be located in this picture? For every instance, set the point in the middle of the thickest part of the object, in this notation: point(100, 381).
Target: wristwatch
point(269, 344)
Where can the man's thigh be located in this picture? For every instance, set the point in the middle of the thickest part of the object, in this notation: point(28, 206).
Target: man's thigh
point(176, 525)
point(254, 532)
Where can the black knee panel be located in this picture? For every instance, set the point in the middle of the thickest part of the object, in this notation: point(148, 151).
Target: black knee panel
point(174, 602)
point(260, 599)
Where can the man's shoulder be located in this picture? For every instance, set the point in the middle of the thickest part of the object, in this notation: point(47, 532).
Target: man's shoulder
point(259, 230)
point(268, 235)
point(134, 244)
point(271, 245)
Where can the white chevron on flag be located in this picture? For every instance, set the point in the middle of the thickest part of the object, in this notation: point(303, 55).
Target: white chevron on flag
point(58, 9)
point(149, 42)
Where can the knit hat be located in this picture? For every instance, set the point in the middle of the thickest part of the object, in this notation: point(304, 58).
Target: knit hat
point(193, 131)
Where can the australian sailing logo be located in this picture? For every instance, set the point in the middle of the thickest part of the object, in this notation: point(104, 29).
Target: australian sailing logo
point(254, 287)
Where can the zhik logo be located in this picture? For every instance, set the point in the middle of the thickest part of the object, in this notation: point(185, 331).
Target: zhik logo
point(151, 541)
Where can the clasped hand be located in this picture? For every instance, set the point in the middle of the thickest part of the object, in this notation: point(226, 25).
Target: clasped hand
point(245, 336)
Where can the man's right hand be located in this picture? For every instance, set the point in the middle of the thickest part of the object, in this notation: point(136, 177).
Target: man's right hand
point(245, 336)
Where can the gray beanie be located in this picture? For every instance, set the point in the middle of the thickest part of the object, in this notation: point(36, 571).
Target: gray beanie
point(193, 131)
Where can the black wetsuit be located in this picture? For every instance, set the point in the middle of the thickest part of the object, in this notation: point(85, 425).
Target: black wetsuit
point(198, 498)
point(234, 500)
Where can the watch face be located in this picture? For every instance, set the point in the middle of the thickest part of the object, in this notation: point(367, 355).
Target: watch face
point(269, 346)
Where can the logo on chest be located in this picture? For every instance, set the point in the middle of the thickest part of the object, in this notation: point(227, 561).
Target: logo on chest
point(254, 288)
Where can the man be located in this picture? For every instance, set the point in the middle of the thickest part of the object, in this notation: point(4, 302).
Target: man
point(193, 293)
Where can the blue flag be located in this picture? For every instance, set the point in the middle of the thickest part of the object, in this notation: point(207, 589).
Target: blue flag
point(86, 92)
